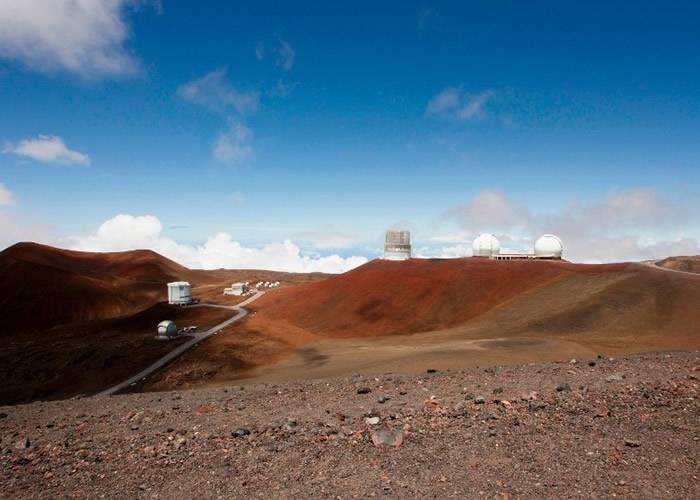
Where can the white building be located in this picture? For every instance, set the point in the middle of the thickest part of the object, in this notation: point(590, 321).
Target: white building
point(547, 246)
point(179, 293)
point(486, 245)
point(166, 329)
point(236, 289)
point(397, 245)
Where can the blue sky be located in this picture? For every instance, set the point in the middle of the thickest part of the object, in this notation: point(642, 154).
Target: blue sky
point(324, 124)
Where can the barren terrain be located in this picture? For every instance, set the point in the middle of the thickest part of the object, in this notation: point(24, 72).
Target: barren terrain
point(476, 312)
point(596, 428)
point(76, 322)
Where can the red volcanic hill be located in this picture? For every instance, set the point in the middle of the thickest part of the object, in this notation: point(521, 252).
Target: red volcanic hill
point(386, 297)
point(42, 286)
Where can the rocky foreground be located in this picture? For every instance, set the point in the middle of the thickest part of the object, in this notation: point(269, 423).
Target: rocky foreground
point(586, 428)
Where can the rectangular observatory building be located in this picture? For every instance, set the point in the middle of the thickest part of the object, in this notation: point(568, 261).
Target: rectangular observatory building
point(397, 245)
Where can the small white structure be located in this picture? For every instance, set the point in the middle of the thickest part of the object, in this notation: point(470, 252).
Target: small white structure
point(236, 289)
point(397, 245)
point(548, 246)
point(179, 293)
point(166, 329)
point(486, 245)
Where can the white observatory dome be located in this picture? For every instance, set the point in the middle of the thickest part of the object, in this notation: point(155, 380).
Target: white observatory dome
point(486, 245)
point(548, 246)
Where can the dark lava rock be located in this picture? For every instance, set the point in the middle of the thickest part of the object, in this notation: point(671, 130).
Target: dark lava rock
point(3, 415)
point(431, 370)
point(498, 390)
point(240, 432)
point(563, 387)
point(479, 400)
point(383, 399)
point(632, 444)
point(591, 363)
point(364, 390)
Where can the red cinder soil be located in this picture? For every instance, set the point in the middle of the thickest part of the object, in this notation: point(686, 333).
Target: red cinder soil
point(385, 297)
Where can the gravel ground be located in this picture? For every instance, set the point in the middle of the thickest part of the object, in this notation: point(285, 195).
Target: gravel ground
point(587, 429)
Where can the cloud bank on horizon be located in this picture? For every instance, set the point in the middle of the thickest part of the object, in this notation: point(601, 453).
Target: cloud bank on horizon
point(128, 232)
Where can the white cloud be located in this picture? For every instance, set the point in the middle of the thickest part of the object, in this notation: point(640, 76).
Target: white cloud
point(85, 37)
point(215, 92)
point(13, 230)
point(636, 224)
point(455, 103)
point(491, 211)
point(324, 239)
point(126, 232)
point(233, 146)
point(285, 55)
point(5, 196)
point(47, 149)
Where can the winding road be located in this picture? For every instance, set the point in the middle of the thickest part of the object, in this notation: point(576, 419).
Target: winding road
point(241, 312)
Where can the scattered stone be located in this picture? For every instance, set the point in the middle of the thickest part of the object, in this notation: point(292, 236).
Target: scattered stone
point(479, 400)
point(498, 390)
point(591, 363)
point(372, 420)
point(3, 415)
point(615, 377)
point(364, 390)
point(632, 443)
point(492, 432)
point(383, 399)
point(387, 437)
point(240, 432)
point(23, 444)
point(529, 396)
point(179, 442)
point(469, 396)
point(563, 387)
point(573, 361)
point(431, 370)
point(535, 405)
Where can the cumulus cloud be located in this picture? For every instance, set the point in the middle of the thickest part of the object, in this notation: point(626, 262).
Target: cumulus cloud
point(5, 196)
point(623, 226)
point(285, 55)
point(47, 149)
point(455, 103)
point(126, 232)
point(233, 146)
point(84, 37)
point(216, 92)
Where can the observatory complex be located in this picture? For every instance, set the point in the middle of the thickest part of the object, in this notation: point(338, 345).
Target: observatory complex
point(397, 245)
point(547, 246)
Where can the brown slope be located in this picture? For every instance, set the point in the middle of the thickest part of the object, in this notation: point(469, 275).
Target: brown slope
point(689, 264)
point(42, 286)
point(385, 297)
